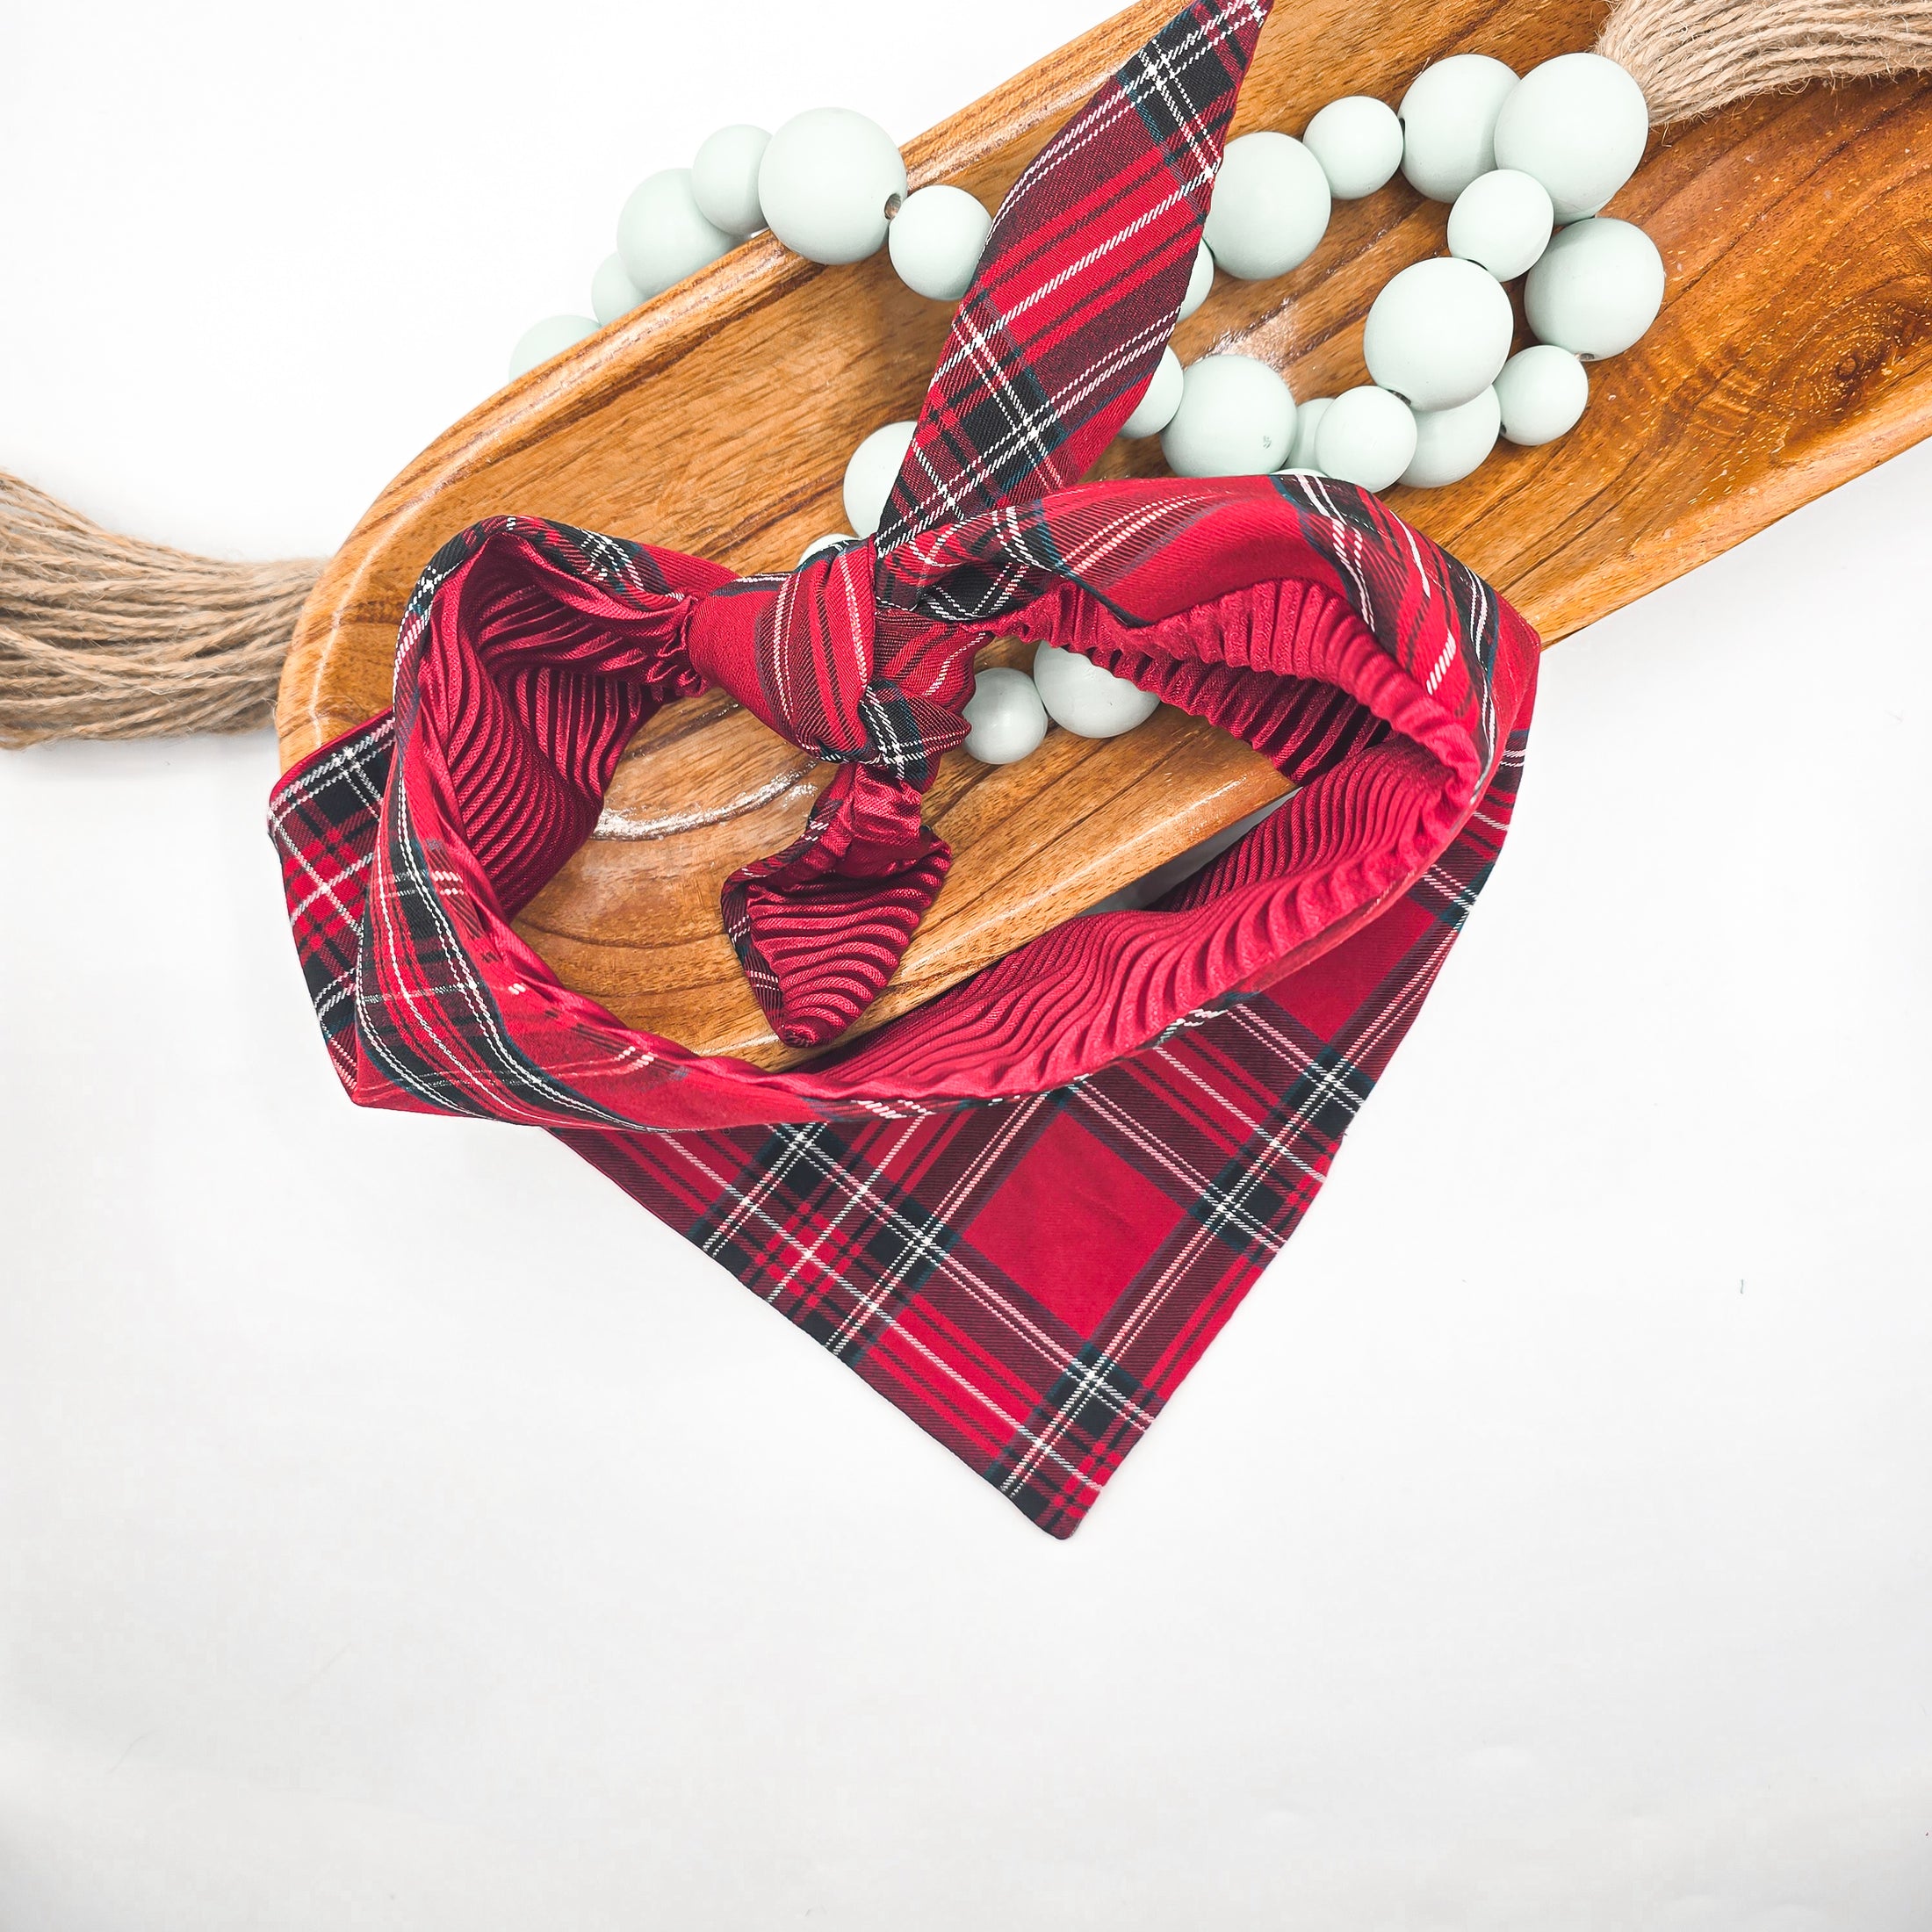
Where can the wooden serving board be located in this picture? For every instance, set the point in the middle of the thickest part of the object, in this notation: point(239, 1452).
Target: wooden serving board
point(1794, 350)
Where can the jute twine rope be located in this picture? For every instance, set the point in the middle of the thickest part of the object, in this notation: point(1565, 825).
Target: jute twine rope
point(104, 636)
point(1692, 57)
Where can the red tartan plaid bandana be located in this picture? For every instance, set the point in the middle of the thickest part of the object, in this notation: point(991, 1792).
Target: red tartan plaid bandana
point(1023, 1211)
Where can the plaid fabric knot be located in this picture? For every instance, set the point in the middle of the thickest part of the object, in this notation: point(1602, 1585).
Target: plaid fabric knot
point(819, 927)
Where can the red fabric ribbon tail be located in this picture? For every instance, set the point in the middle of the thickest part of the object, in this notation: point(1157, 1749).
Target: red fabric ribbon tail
point(820, 927)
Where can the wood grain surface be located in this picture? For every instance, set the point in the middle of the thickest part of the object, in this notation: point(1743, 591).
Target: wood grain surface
point(1794, 351)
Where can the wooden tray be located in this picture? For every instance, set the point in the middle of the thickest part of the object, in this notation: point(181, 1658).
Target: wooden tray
point(1794, 350)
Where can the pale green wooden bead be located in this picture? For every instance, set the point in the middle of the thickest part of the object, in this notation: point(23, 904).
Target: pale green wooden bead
point(1448, 118)
point(1083, 698)
point(725, 178)
point(871, 473)
point(612, 292)
point(1159, 400)
point(1359, 142)
point(1308, 419)
point(1597, 288)
point(1543, 391)
point(1199, 282)
point(1578, 123)
point(1438, 333)
point(1366, 437)
point(936, 241)
point(1451, 443)
point(1502, 221)
point(547, 338)
point(1005, 717)
point(662, 237)
point(826, 183)
point(1271, 207)
point(1235, 418)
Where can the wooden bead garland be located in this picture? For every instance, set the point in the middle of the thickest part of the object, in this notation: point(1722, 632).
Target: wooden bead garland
point(1527, 162)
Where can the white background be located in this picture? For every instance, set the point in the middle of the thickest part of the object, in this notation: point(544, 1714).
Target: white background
point(400, 1529)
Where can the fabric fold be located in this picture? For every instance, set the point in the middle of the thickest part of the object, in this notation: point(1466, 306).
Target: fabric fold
point(1298, 613)
point(820, 927)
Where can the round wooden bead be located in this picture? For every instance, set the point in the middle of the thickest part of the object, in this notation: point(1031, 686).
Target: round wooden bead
point(1199, 283)
point(1271, 207)
point(1367, 437)
point(661, 236)
point(1452, 443)
point(1005, 717)
point(1308, 421)
point(1578, 124)
point(936, 238)
point(612, 292)
point(1235, 418)
point(547, 338)
point(1159, 400)
point(725, 178)
point(1541, 392)
point(871, 473)
point(1448, 118)
point(1597, 288)
point(1502, 221)
point(818, 543)
point(1438, 333)
point(1359, 142)
point(1082, 698)
point(825, 181)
